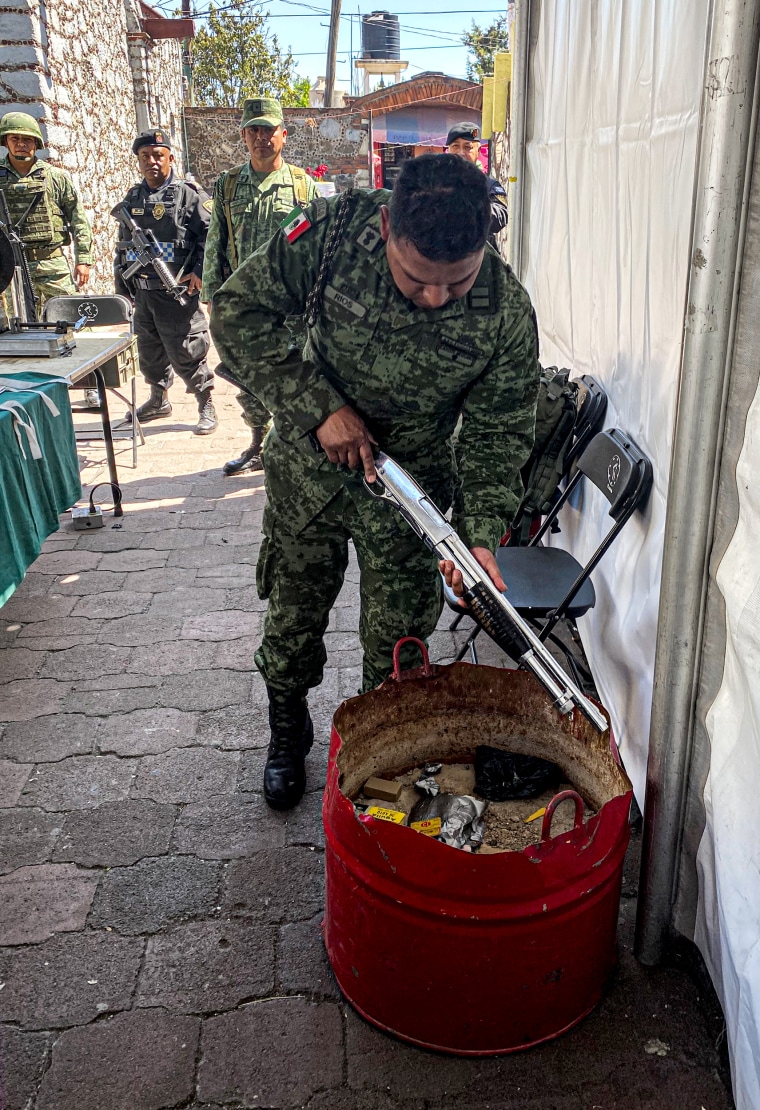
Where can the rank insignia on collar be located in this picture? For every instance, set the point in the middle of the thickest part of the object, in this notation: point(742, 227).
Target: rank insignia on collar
point(369, 237)
point(158, 210)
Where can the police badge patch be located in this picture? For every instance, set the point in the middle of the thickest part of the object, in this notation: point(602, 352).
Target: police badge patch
point(158, 210)
point(208, 204)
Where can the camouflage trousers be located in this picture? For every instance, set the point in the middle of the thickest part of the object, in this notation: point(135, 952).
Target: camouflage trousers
point(47, 283)
point(301, 573)
point(255, 414)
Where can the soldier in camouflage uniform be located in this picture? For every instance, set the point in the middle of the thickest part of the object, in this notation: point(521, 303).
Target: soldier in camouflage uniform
point(57, 220)
point(418, 323)
point(250, 200)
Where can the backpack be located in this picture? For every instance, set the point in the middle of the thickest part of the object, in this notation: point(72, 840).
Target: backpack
point(556, 416)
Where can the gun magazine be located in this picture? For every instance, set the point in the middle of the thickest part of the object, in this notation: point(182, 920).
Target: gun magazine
point(497, 624)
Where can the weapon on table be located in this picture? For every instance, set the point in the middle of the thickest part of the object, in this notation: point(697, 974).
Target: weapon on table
point(149, 254)
point(23, 288)
point(488, 606)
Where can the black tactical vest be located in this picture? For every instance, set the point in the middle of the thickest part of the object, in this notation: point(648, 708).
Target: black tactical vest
point(164, 212)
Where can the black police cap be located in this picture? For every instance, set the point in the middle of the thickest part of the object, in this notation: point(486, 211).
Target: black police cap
point(466, 130)
point(157, 137)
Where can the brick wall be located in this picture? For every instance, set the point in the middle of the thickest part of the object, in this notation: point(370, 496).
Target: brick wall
point(333, 136)
point(65, 62)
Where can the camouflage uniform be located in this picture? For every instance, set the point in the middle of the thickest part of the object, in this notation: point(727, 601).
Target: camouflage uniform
point(48, 265)
point(257, 206)
point(409, 374)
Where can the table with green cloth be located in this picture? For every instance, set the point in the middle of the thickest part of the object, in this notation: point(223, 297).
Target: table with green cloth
point(33, 491)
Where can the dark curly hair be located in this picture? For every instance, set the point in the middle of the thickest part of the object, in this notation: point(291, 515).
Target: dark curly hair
point(440, 205)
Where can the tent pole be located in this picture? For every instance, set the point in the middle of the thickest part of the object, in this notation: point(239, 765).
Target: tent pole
point(520, 46)
point(724, 162)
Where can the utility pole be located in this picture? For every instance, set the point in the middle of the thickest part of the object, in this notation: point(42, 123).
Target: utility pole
point(332, 49)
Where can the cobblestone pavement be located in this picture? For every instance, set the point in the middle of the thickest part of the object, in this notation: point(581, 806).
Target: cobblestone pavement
point(160, 927)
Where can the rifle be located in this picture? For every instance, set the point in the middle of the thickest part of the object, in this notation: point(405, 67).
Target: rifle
point(22, 278)
point(487, 605)
point(149, 254)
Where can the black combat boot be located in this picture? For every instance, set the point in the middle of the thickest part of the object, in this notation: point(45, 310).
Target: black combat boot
point(207, 421)
point(250, 459)
point(154, 408)
point(292, 738)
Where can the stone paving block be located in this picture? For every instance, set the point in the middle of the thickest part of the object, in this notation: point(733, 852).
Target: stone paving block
point(181, 657)
point(216, 519)
point(226, 624)
point(309, 1053)
point(110, 606)
point(207, 966)
point(22, 1059)
point(344, 620)
point(115, 834)
point(186, 775)
point(205, 690)
point(276, 885)
point(80, 782)
point(108, 539)
point(246, 600)
point(83, 662)
point(49, 739)
point(237, 654)
point(122, 681)
point(33, 584)
point(168, 488)
point(342, 1099)
point(103, 702)
point(146, 731)
point(20, 663)
point(230, 576)
point(217, 560)
point(143, 1059)
point(303, 825)
point(163, 579)
point(235, 537)
point(174, 540)
point(57, 628)
point(28, 698)
point(228, 827)
point(67, 562)
point(69, 980)
point(13, 777)
point(154, 893)
point(27, 836)
point(36, 902)
point(136, 630)
point(302, 963)
point(133, 560)
point(237, 726)
point(29, 609)
point(58, 640)
point(190, 601)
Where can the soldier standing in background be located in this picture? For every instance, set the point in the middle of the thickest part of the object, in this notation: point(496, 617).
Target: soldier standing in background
point(170, 336)
point(56, 220)
point(464, 141)
point(412, 323)
point(250, 201)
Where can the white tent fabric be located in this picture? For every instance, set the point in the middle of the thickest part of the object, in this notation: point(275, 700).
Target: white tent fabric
point(613, 111)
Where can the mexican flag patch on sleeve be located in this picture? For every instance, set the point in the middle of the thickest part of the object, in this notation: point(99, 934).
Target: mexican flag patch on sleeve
point(294, 224)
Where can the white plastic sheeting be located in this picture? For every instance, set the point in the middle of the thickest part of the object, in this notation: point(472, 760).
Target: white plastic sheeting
point(613, 108)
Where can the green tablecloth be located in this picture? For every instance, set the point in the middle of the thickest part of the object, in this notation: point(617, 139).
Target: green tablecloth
point(33, 492)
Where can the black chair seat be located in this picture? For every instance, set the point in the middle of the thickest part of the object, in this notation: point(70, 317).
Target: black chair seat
point(539, 578)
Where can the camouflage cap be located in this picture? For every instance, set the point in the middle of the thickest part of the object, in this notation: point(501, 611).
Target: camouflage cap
point(467, 130)
point(263, 111)
point(156, 137)
point(19, 123)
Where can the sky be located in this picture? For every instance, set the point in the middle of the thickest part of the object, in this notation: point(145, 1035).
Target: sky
point(430, 39)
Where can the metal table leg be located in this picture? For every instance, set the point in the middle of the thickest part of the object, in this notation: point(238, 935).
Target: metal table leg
point(106, 421)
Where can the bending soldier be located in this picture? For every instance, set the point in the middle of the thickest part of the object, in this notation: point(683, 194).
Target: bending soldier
point(56, 220)
point(250, 200)
point(415, 324)
point(170, 336)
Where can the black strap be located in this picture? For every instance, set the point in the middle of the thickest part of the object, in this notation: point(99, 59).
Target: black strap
point(116, 490)
point(314, 299)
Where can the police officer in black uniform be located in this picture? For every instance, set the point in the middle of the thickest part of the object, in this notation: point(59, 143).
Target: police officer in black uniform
point(170, 336)
point(464, 140)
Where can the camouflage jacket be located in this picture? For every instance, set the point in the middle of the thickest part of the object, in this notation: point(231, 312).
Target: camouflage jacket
point(408, 372)
point(256, 209)
point(69, 222)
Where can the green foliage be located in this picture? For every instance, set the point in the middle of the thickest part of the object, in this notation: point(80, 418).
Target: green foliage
point(482, 44)
point(234, 57)
point(298, 94)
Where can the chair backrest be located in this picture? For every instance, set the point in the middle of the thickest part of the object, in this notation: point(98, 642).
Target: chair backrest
point(592, 409)
point(99, 311)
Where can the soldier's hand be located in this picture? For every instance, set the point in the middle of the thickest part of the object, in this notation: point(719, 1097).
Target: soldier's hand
point(453, 577)
point(346, 439)
point(194, 283)
point(81, 276)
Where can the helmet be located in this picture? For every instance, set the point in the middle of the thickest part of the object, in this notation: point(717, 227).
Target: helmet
point(19, 123)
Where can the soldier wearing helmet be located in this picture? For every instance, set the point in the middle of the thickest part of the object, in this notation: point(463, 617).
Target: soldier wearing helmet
point(56, 219)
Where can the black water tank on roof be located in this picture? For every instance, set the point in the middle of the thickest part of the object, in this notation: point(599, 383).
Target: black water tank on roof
point(381, 36)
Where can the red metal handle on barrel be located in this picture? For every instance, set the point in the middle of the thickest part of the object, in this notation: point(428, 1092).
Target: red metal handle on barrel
point(397, 673)
point(546, 824)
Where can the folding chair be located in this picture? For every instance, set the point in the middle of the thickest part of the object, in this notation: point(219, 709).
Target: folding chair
point(109, 311)
point(547, 584)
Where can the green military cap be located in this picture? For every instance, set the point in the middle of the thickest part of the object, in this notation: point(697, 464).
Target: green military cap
point(155, 137)
point(19, 123)
point(262, 111)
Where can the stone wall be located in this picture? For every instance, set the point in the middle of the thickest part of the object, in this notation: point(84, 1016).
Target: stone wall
point(333, 136)
point(66, 63)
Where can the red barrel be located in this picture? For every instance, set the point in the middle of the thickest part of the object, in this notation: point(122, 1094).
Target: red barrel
point(470, 954)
